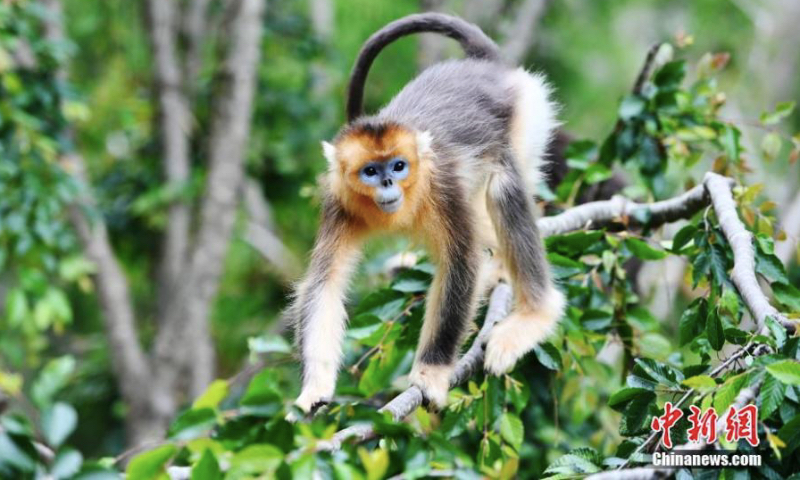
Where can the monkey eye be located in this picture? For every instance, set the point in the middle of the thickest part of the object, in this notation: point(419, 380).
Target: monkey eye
point(399, 166)
point(370, 171)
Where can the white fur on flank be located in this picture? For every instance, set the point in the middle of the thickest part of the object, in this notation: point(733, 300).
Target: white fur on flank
point(323, 337)
point(516, 335)
point(533, 124)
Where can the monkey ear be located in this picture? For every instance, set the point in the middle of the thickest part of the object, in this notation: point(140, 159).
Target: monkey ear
point(424, 142)
point(330, 152)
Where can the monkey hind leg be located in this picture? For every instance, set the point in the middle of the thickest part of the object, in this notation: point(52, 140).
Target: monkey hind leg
point(538, 304)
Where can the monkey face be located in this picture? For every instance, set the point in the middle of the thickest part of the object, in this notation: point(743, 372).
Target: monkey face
point(384, 178)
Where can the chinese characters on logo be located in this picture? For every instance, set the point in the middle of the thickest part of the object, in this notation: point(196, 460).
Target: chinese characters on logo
point(739, 424)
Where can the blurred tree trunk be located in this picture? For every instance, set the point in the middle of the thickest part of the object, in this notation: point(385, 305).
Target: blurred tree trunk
point(432, 46)
point(182, 361)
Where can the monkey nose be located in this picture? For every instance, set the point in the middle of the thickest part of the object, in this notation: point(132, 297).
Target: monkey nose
point(386, 182)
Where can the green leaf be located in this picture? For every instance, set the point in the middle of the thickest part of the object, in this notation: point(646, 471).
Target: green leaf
point(642, 319)
point(771, 145)
point(268, 344)
point(701, 383)
point(770, 267)
point(53, 377)
point(376, 462)
point(67, 464)
point(207, 468)
point(770, 396)
point(192, 424)
point(787, 295)
point(683, 237)
point(660, 372)
point(643, 250)
point(214, 394)
point(670, 75)
point(151, 465)
point(636, 414)
point(17, 309)
point(730, 142)
point(726, 393)
point(548, 355)
point(787, 371)
point(782, 110)
point(790, 434)
point(631, 106)
point(255, 460)
point(714, 332)
point(58, 422)
point(564, 267)
point(512, 430)
point(621, 397)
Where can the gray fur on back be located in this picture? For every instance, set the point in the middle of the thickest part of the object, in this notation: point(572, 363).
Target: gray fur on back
point(466, 105)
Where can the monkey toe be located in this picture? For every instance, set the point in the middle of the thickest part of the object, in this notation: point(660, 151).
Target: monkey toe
point(434, 382)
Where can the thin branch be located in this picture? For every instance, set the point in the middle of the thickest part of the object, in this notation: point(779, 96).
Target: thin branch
point(260, 234)
point(624, 211)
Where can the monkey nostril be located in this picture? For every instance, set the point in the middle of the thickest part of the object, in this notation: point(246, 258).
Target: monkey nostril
point(387, 182)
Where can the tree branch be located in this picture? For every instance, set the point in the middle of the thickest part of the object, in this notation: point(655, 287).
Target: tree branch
point(260, 234)
point(185, 335)
point(520, 35)
point(194, 28)
point(741, 242)
point(174, 126)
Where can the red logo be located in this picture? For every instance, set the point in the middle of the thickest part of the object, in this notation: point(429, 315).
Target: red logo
point(665, 422)
point(742, 424)
point(739, 424)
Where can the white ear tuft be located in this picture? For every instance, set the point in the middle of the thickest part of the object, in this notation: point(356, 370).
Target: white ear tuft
point(329, 151)
point(424, 142)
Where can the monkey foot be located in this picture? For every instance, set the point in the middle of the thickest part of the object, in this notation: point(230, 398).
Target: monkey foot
point(515, 336)
point(434, 381)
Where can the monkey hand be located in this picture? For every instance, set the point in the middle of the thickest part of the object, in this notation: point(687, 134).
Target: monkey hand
point(434, 381)
point(313, 396)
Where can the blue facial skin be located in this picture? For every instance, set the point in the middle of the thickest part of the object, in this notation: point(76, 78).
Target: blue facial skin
point(385, 177)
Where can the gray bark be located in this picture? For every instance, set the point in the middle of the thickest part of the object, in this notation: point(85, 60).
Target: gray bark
point(522, 30)
point(174, 128)
point(185, 336)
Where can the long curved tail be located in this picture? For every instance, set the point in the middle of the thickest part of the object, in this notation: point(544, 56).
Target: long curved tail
point(472, 39)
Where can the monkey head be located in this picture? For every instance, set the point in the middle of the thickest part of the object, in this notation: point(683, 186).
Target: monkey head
point(375, 167)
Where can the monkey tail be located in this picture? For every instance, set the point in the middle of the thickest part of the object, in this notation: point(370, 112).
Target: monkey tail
point(472, 39)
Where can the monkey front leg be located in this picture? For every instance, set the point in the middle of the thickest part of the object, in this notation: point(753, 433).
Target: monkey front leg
point(450, 306)
point(319, 309)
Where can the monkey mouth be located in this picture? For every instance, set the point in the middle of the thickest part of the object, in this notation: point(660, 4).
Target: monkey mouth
point(390, 206)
